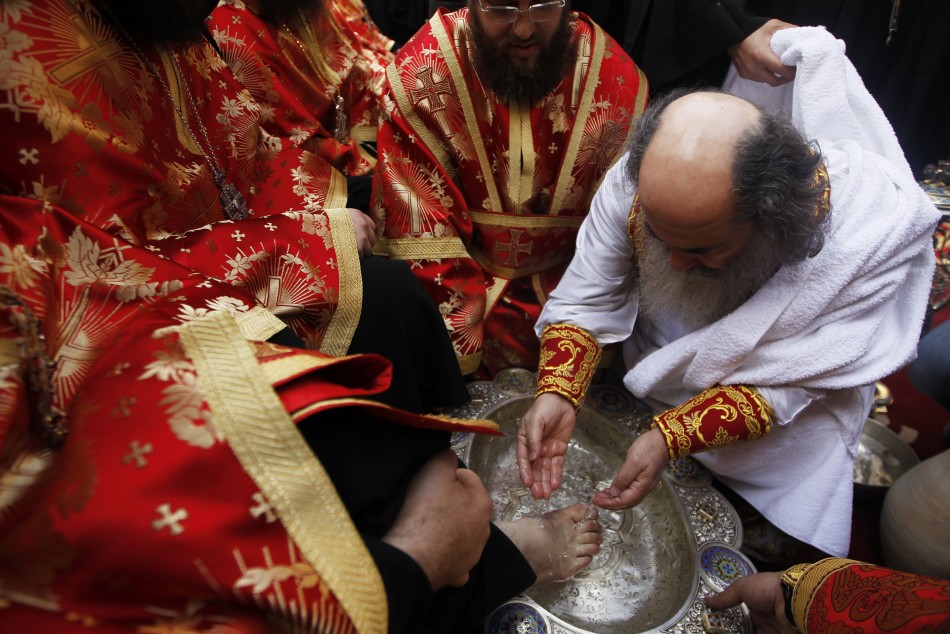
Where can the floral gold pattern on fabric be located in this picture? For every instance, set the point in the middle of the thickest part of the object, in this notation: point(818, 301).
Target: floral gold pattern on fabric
point(719, 416)
point(843, 595)
point(569, 356)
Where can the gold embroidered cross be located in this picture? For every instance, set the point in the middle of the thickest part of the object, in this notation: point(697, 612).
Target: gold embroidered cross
point(411, 198)
point(515, 247)
point(432, 92)
point(95, 52)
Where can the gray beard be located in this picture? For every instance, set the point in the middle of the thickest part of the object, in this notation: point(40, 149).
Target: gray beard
point(700, 296)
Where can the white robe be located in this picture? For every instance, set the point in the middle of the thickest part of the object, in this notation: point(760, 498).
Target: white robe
point(813, 339)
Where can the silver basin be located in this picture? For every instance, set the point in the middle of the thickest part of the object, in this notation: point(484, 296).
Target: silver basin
point(649, 576)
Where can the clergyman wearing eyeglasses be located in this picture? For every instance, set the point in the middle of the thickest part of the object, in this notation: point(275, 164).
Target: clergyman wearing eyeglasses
point(501, 119)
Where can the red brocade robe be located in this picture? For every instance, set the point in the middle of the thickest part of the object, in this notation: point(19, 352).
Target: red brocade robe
point(183, 498)
point(90, 127)
point(319, 84)
point(484, 197)
point(843, 595)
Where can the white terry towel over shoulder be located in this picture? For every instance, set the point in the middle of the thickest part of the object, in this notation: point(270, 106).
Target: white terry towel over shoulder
point(853, 313)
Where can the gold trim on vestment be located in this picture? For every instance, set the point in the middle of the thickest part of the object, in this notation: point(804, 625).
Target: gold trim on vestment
point(578, 129)
point(429, 139)
point(468, 108)
point(493, 293)
point(808, 582)
point(250, 416)
point(535, 221)
point(521, 155)
point(568, 360)
point(283, 368)
point(469, 363)
point(184, 110)
point(259, 324)
point(342, 325)
point(421, 248)
point(337, 194)
point(480, 424)
point(364, 134)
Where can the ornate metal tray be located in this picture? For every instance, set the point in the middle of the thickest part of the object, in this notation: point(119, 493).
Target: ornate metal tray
point(658, 560)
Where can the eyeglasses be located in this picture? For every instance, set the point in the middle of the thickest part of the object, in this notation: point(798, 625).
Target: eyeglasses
point(541, 12)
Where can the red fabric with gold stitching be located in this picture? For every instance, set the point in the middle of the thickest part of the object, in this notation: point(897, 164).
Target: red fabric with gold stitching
point(144, 519)
point(867, 598)
point(569, 357)
point(718, 416)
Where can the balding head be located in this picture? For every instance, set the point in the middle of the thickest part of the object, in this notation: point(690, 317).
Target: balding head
point(712, 170)
point(686, 176)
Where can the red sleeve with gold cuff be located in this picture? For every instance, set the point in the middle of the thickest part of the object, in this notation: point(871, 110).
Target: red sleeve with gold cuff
point(718, 416)
point(569, 356)
point(843, 595)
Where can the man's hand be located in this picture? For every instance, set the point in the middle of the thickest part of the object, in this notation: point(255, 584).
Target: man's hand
point(638, 475)
point(754, 59)
point(365, 231)
point(762, 593)
point(543, 435)
point(444, 522)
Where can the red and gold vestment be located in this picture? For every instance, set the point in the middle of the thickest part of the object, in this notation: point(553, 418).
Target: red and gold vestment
point(484, 197)
point(183, 498)
point(313, 76)
point(125, 135)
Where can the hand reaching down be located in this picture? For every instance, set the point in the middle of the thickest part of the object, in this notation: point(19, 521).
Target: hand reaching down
point(638, 475)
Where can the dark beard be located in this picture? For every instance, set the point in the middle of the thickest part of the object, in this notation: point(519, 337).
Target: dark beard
point(164, 22)
point(279, 12)
point(509, 80)
point(700, 296)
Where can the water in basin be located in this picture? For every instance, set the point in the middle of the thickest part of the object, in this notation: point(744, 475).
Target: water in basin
point(645, 574)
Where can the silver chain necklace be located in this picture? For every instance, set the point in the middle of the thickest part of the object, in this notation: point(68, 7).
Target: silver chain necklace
point(235, 207)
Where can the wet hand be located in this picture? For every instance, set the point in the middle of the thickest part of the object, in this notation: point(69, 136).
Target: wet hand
point(638, 475)
point(543, 435)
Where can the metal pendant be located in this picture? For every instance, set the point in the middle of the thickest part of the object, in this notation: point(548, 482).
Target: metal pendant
point(339, 113)
point(235, 208)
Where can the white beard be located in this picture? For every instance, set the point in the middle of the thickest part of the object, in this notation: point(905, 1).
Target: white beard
point(700, 296)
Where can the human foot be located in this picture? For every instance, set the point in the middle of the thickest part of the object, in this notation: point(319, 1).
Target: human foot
point(559, 544)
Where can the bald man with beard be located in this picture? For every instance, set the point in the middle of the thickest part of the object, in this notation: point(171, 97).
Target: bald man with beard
point(760, 283)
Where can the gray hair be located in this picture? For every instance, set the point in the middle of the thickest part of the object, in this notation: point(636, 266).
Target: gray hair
point(773, 179)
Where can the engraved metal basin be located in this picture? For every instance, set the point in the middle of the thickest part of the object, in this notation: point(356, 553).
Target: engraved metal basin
point(651, 574)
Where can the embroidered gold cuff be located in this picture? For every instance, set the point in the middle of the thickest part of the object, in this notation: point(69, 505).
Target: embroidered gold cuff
point(806, 580)
point(569, 356)
point(718, 416)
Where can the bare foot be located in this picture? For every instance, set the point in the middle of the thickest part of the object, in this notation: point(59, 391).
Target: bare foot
point(558, 544)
